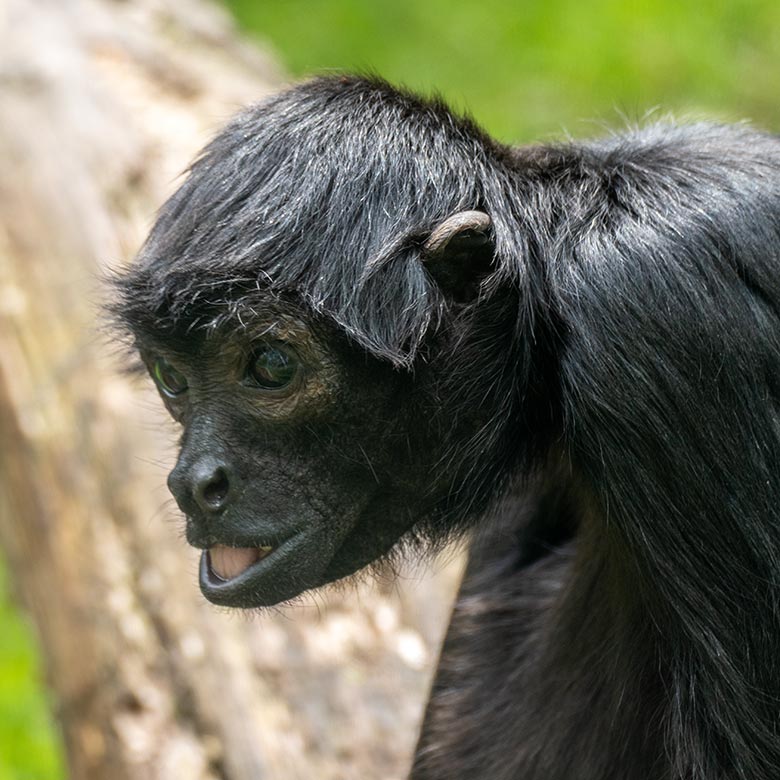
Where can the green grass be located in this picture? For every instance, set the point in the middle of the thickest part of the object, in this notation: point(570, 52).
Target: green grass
point(29, 745)
point(535, 68)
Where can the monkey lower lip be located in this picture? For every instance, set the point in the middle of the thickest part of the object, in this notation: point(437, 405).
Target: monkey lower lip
point(228, 562)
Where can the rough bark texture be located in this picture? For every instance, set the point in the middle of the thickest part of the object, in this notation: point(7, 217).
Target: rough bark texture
point(102, 103)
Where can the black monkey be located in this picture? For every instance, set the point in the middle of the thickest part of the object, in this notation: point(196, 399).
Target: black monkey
point(380, 328)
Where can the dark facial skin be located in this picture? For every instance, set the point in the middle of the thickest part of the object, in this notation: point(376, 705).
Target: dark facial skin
point(294, 455)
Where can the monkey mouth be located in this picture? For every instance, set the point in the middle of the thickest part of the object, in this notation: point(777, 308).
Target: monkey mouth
point(257, 576)
point(226, 563)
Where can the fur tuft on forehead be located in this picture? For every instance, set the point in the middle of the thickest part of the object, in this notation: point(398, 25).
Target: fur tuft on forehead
point(328, 190)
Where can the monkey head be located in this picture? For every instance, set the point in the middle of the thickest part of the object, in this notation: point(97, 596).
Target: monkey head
point(304, 305)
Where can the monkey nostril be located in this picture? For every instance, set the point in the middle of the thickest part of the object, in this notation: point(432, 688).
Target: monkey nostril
point(212, 492)
point(217, 489)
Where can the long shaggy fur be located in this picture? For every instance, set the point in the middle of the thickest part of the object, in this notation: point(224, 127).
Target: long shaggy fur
point(622, 617)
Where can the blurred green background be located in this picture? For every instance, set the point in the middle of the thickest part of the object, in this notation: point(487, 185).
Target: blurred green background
point(532, 69)
point(535, 68)
point(28, 747)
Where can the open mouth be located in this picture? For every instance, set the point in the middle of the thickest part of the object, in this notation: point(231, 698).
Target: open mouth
point(226, 563)
point(254, 576)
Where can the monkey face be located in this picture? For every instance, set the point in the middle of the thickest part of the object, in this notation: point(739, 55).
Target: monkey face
point(296, 463)
point(305, 455)
point(316, 430)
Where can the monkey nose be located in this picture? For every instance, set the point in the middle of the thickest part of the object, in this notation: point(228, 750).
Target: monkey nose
point(207, 485)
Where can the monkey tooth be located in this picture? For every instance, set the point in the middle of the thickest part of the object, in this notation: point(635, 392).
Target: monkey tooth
point(229, 562)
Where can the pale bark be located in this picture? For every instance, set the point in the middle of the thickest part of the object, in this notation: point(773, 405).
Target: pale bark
point(102, 104)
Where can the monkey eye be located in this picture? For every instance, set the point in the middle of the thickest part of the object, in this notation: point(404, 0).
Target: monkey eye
point(171, 381)
point(272, 367)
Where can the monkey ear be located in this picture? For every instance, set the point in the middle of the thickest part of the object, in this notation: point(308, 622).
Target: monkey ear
point(459, 253)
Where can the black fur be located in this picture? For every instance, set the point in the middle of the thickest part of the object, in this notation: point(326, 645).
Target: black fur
point(610, 400)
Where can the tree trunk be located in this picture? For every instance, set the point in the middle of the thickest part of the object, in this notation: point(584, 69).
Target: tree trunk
point(102, 104)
